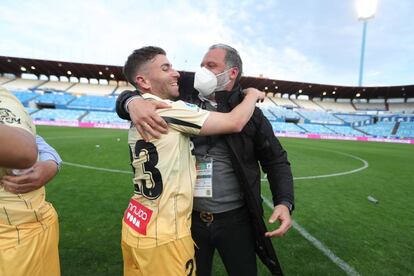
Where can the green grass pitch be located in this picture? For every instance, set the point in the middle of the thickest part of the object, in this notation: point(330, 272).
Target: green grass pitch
point(373, 239)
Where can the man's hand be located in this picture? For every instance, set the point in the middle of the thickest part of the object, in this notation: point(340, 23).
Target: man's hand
point(147, 121)
point(259, 94)
point(42, 172)
point(280, 213)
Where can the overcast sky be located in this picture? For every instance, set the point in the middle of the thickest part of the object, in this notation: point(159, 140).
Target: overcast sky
point(300, 40)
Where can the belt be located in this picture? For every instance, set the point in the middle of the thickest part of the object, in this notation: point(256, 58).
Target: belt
point(209, 217)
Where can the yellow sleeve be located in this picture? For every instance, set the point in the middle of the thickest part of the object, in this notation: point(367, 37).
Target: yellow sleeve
point(184, 117)
point(13, 113)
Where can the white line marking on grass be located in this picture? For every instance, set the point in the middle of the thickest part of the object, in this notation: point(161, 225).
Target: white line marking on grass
point(365, 166)
point(95, 168)
point(319, 245)
point(77, 136)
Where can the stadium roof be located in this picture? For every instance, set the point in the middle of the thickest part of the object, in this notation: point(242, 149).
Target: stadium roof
point(17, 66)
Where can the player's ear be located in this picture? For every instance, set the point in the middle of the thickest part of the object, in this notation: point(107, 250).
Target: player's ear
point(142, 82)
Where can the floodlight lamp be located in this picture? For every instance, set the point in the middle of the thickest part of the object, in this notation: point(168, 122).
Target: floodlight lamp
point(366, 9)
point(23, 69)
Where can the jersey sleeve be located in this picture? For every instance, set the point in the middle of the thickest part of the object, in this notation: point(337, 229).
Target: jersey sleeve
point(13, 113)
point(184, 117)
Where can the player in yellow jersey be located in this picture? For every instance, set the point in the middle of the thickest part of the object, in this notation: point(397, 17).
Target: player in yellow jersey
point(156, 236)
point(29, 230)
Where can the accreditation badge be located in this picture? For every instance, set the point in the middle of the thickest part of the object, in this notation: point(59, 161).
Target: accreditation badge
point(204, 181)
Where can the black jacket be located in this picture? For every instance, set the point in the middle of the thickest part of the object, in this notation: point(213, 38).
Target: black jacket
point(256, 143)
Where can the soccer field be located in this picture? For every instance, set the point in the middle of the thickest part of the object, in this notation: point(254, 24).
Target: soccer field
point(337, 230)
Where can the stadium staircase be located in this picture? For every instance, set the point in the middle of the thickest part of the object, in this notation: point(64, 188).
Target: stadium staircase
point(395, 129)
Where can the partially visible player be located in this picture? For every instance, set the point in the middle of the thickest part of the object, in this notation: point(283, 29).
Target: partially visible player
point(156, 236)
point(29, 230)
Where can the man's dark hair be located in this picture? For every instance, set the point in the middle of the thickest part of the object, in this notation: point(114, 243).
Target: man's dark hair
point(138, 58)
point(232, 58)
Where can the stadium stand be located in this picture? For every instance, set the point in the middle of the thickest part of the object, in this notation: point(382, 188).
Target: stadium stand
point(58, 114)
point(88, 94)
point(345, 130)
point(351, 118)
point(282, 101)
point(286, 127)
point(306, 104)
point(320, 117)
point(92, 89)
point(380, 129)
point(330, 105)
point(285, 114)
point(25, 96)
point(93, 103)
point(316, 128)
point(102, 117)
point(374, 104)
point(22, 84)
point(5, 79)
point(399, 106)
point(56, 99)
point(123, 85)
point(405, 130)
point(56, 85)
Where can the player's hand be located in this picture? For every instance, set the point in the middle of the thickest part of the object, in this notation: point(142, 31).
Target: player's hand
point(280, 213)
point(42, 172)
point(147, 121)
point(260, 96)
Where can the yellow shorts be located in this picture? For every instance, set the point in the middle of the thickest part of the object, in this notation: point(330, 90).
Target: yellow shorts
point(175, 258)
point(34, 256)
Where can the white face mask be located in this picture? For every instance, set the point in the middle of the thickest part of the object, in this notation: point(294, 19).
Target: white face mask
point(206, 82)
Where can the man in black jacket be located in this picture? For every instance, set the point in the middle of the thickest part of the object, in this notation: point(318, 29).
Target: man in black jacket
point(228, 212)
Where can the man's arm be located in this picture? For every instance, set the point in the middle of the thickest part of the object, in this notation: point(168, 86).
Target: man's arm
point(130, 106)
point(274, 162)
point(234, 121)
point(18, 149)
point(40, 174)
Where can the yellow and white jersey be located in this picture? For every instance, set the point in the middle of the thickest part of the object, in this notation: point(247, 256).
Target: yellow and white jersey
point(20, 214)
point(164, 178)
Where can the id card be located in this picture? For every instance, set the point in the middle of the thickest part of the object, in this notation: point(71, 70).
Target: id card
point(203, 186)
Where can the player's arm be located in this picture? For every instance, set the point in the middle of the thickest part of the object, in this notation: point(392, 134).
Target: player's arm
point(234, 121)
point(17, 148)
point(131, 106)
point(40, 174)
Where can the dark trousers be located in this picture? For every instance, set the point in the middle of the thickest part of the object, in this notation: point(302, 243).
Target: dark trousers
point(231, 234)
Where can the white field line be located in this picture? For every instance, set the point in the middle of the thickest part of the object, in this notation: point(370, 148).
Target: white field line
point(364, 166)
point(95, 168)
point(319, 245)
point(349, 270)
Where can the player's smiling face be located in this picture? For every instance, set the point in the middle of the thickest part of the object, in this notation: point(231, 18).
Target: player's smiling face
point(162, 78)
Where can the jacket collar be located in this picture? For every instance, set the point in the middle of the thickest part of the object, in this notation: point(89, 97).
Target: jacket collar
point(227, 100)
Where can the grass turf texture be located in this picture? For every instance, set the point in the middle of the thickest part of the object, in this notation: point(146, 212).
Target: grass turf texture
point(374, 239)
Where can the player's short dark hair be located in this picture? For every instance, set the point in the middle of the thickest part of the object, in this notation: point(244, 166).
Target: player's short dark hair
point(138, 58)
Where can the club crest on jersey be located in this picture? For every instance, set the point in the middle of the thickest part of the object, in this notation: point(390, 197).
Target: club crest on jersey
point(192, 106)
point(8, 117)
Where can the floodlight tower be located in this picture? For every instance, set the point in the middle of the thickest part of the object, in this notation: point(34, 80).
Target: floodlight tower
point(366, 10)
